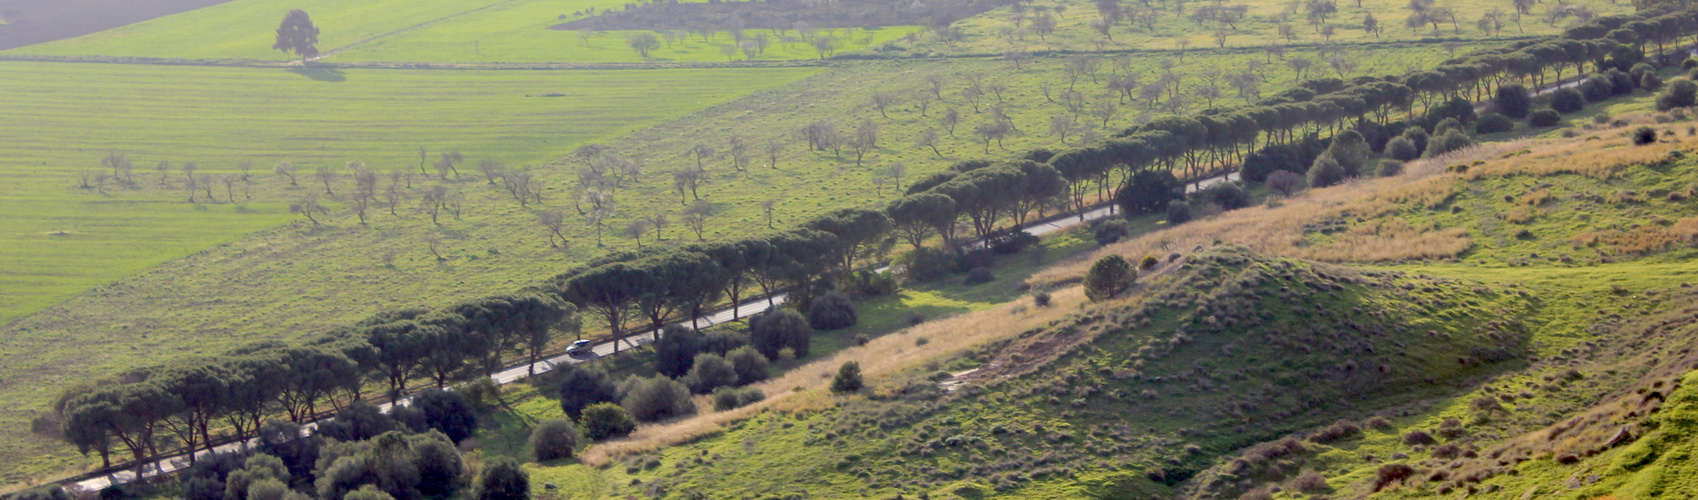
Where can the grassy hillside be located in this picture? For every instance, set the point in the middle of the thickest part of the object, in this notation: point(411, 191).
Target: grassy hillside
point(1134, 393)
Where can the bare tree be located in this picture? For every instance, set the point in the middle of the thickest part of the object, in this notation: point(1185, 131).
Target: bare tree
point(306, 207)
point(972, 93)
point(696, 217)
point(365, 188)
point(896, 171)
point(163, 168)
point(1061, 125)
point(434, 201)
point(950, 119)
point(553, 221)
point(992, 131)
point(687, 180)
point(936, 83)
point(491, 170)
point(445, 163)
point(325, 175)
point(229, 181)
point(635, 231)
point(768, 208)
point(882, 100)
point(774, 148)
point(660, 222)
point(702, 153)
point(189, 180)
point(739, 150)
point(119, 164)
point(928, 139)
point(925, 100)
point(392, 195)
point(865, 140)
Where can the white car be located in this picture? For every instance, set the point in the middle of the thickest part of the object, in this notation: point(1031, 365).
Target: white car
point(579, 347)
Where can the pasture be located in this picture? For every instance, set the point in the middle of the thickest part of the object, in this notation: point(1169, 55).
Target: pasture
point(60, 240)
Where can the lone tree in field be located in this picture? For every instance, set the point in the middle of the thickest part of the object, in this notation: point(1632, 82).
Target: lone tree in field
point(1108, 276)
point(298, 35)
point(644, 43)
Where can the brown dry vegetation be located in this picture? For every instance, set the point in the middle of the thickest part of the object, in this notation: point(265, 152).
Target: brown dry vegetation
point(1281, 229)
point(804, 388)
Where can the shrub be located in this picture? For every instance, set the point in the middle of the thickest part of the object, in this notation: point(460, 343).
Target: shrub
point(1567, 100)
point(1418, 437)
point(1041, 299)
point(1493, 123)
point(1452, 140)
point(1178, 212)
point(1458, 108)
point(1226, 194)
point(676, 349)
point(503, 479)
point(449, 412)
point(1342, 429)
point(1011, 241)
point(1149, 191)
point(709, 371)
point(1596, 88)
point(925, 264)
point(554, 439)
point(979, 275)
point(1417, 135)
point(848, 378)
point(1108, 276)
point(367, 492)
point(1388, 168)
point(1643, 136)
point(1288, 183)
point(749, 364)
point(1680, 93)
point(1650, 82)
point(728, 398)
point(1446, 126)
point(358, 421)
point(866, 283)
point(50, 492)
point(1689, 63)
point(655, 398)
point(1351, 152)
point(723, 340)
point(1512, 100)
point(606, 420)
point(1149, 262)
point(832, 311)
point(1325, 172)
point(1111, 230)
point(1391, 473)
point(1402, 148)
point(581, 387)
point(777, 330)
point(481, 392)
point(1309, 482)
point(1543, 117)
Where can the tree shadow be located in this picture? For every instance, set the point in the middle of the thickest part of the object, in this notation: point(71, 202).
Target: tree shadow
point(320, 74)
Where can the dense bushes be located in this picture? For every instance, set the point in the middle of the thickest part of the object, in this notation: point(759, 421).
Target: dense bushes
point(448, 412)
point(775, 331)
point(1643, 135)
point(1226, 195)
point(710, 371)
point(553, 440)
point(832, 311)
point(606, 420)
point(1680, 93)
point(1512, 100)
point(503, 479)
point(848, 378)
point(1325, 172)
point(1567, 100)
point(925, 264)
point(1451, 140)
point(730, 398)
point(1178, 212)
point(581, 387)
point(750, 365)
point(1110, 230)
point(1402, 148)
point(1285, 182)
point(655, 398)
point(1389, 168)
point(1150, 190)
point(1492, 123)
point(676, 349)
point(1543, 117)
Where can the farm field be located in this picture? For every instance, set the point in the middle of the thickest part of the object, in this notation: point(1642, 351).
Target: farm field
point(62, 240)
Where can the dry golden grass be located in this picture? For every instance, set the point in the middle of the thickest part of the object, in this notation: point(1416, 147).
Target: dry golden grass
point(805, 388)
point(1425, 183)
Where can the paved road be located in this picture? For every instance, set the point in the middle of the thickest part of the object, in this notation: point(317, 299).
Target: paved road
point(516, 373)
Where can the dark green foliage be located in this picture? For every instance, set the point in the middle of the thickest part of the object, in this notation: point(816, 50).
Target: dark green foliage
point(1149, 192)
point(750, 365)
point(1292, 157)
point(1460, 109)
point(298, 35)
point(925, 264)
point(979, 276)
point(409, 419)
point(1689, 63)
point(1402, 148)
point(368, 492)
point(284, 441)
point(1110, 230)
point(1178, 212)
point(1011, 241)
point(1041, 299)
point(709, 371)
point(773, 331)
point(1567, 100)
point(449, 412)
point(1680, 93)
point(1624, 84)
point(723, 341)
point(919, 216)
point(606, 420)
point(358, 421)
point(255, 469)
point(439, 464)
point(1226, 195)
point(676, 350)
point(1543, 117)
point(503, 479)
point(1418, 136)
point(869, 283)
point(848, 378)
point(581, 387)
point(729, 398)
point(1350, 151)
point(651, 399)
point(832, 311)
point(402, 466)
point(1643, 135)
point(1650, 82)
point(1445, 126)
point(1596, 88)
point(50, 492)
point(1108, 276)
point(1451, 140)
point(1389, 168)
point(1492, 123)
point(1512, 100)
point(553, 440)
point(1325, 172)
